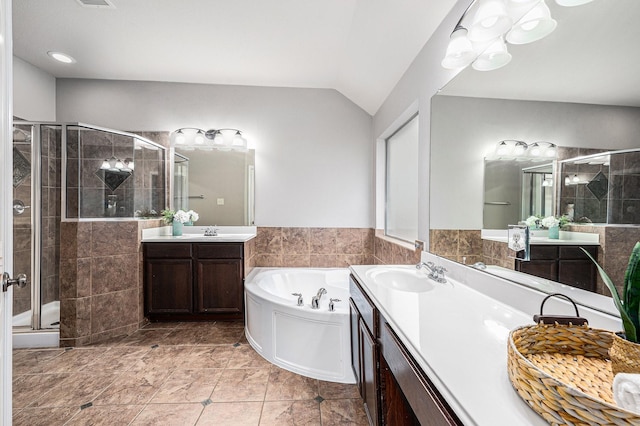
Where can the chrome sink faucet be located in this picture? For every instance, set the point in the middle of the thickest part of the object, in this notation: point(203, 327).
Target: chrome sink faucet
point(315, 300)
point(211, 231)
point(436, 273)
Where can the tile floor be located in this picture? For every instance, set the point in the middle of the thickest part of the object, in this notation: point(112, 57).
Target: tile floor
point(173, 374)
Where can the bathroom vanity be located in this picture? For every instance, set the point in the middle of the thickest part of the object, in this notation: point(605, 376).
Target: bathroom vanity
point(435, 353)
point(192, 277)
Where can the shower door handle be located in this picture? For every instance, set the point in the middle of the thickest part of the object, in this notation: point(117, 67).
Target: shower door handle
point(20, 281)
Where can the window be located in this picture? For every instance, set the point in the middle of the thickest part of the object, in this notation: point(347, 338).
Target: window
point(401, 195)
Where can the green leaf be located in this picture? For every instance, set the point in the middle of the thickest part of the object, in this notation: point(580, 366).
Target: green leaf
point(629, 327)
point(631, 289)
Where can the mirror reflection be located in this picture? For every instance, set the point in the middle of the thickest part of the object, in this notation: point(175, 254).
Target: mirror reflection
point(217, 184)
point(574, 89)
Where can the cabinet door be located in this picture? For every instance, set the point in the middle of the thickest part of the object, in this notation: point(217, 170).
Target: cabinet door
point(354, 331)
point(369, 359)
point(540, 268)
point(577, 273)
point(219, 286)
point(168, 286)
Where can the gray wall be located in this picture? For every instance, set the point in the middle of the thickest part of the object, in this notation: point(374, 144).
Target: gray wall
point(457, 151)
point(34, 92)
point(314, 158)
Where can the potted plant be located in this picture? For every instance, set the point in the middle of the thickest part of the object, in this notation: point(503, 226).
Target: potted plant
point(176, 219)
point(625, 350)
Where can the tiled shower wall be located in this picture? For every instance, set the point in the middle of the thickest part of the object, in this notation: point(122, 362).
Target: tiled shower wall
point(101, 280)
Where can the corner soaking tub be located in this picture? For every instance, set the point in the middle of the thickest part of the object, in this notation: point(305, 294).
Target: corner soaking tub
point(311, 342)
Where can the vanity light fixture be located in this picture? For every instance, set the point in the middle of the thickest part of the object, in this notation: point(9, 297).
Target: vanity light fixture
point(513, 149)
point(190, 138)
point(114, 164)
point(495, 23)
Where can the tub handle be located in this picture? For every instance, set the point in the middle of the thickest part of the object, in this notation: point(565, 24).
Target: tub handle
point(331, 306)
point(300, 301)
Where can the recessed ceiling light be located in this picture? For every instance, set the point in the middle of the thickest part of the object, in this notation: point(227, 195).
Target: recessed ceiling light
point(61, 57)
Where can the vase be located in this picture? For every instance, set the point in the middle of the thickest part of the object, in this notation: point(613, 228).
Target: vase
point(190, 223)
point(176, 229)
point(554, 232)
point(625, 355)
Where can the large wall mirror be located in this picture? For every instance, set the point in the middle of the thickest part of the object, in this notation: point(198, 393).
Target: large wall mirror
point(577, 88)
point(217, 184)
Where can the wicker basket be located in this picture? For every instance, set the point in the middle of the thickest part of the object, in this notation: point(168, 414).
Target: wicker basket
point(564, 373)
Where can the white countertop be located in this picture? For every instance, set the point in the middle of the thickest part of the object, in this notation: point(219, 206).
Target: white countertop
point(195, 234)
point(458, 336)
point(540, 237)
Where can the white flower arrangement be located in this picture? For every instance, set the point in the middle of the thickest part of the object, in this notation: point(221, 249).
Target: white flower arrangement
point(532, 221)
point(180, 216)
point(193, 216)
point(550, 222)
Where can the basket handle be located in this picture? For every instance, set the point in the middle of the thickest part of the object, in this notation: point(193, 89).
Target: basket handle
point(559, 319)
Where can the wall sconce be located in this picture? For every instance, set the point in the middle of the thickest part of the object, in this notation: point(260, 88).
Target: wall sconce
point(190, 138)
point(495, 23)
point(513, 149)
point(114, 164)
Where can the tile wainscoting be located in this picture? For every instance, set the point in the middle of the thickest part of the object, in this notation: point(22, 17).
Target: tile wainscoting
point(460, 245)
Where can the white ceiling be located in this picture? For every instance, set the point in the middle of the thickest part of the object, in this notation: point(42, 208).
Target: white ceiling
point(359, 47)
point(592, 57)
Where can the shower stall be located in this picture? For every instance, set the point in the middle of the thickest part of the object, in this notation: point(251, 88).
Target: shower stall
point(71, 172)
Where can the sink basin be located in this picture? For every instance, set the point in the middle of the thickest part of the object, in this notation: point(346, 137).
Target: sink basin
point(410, 280)
point(219, 237)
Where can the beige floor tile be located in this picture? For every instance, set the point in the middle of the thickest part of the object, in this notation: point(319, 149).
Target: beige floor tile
point(187, 386)
point(163, 357)
point(277, 413)
point(169, 415)
point(331, 390)
point(284, 385)
point(77, 389)
point(31, 388)
point(183, 336)
point(109, 415)
point(220, 336)
point(133, 388)
point(43, 416)
point(246, 357)
point(208, 357)
point(122, 358)
point(73, 360)
point(343, 412)
point(146, 337)
point(231, 413)
point(28, 361)
point(162, 325)
point(247, 384)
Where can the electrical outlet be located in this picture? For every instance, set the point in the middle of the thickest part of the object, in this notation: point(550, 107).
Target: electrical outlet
point(419, 245)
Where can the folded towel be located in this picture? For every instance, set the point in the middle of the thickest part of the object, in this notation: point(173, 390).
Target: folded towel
point(626, 391)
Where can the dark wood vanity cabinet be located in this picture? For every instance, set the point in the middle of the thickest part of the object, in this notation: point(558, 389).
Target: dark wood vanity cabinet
point(364, 350)
point(562, 263)
point(394, 390)
point(193, 281)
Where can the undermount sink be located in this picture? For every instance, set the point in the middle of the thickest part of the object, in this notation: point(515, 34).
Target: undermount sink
point(410, 280)
point(213, 237)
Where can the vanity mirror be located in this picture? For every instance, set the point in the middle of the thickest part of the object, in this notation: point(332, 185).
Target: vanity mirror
point(575, 88)
point(217, 184)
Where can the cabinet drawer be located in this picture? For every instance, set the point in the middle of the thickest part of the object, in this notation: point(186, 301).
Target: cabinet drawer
point(544, 252)
point(574, 252)
point(427, 404)
point(364, 306)
point(218, 251)
point(167, 250)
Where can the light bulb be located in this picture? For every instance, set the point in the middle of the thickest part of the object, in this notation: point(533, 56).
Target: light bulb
point(494, 57)
point(460, 52)
point(551, 151)
point(491, 20)
point(238, 140)
point(520, 148)
point(180, 138)
point(199, 138)
point(502, 148)
point(535, 150)
point(119, 165)
point(105, 165)
point(576, 179)
point(219, 138)
point(534, 25)
point(571, 3)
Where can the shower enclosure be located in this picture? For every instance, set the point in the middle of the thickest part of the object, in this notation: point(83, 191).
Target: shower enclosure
point(107, 175)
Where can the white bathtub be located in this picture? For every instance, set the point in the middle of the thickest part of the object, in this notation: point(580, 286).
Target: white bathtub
point(312, 342)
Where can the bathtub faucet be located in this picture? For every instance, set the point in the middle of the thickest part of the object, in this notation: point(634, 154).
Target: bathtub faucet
point(300, 301)
point(315, 300)
point(332, 308)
